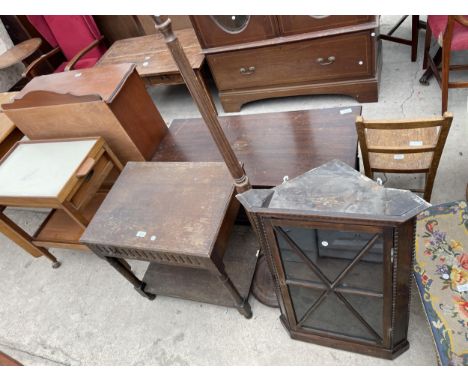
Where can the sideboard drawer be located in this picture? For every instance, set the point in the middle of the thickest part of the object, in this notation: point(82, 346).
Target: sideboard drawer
point(325, 59)
point(290, 25)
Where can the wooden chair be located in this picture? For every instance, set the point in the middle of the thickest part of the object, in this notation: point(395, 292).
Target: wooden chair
point(451, 32)
point(77, 37)
point(404, 146)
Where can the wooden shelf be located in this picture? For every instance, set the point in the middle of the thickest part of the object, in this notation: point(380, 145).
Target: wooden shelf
point(199, 284)
point(60, 231)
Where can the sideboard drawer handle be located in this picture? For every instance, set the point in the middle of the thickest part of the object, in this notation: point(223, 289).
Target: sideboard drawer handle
point(330, 60)
point(248, 71)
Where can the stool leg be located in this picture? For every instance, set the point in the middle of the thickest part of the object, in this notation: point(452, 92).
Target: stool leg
point(124, 269)
point(242, 305)
point(445, 78)
point(414, 37)
point(25, 241)
point(424, 80)
point(427, 46)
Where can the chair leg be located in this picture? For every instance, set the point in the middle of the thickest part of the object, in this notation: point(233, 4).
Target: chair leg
point(428, 186)
point(424, 80)
point(414, 37)
point(427, 46)
point(445, 78)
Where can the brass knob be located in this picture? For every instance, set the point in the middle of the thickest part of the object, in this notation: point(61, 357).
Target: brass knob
point(248, 71)
point(330, 60)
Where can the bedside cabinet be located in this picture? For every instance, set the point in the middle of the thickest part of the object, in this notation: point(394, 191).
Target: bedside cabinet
point(107, 101)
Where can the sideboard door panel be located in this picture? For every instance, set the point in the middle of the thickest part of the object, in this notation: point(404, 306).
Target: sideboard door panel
point(215, 31)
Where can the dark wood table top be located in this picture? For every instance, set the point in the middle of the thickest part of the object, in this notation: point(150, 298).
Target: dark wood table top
point(271, 145)
point(18, 53)
point(168, 208)
point(151, 55)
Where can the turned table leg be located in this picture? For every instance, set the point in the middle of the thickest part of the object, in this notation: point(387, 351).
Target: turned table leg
point(242, 305)
point(124, 269)
point(25, 241)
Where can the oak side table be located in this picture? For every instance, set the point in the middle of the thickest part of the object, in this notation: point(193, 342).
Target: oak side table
point(64, 175)
point(178, 218)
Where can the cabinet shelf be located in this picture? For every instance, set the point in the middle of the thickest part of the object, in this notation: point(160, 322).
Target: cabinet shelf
point(59, 230)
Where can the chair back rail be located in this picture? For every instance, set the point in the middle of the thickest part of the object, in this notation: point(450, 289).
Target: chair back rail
point(404, 146)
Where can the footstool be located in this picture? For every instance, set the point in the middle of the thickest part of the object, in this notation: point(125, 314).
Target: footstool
point(441, 273)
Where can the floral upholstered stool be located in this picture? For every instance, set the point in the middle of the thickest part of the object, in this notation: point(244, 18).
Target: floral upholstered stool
point(441, 273)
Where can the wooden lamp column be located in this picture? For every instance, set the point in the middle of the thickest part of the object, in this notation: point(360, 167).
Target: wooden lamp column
point(210, 116)
point(204, 104)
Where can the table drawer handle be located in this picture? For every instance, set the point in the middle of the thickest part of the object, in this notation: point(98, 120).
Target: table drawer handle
point(246, 72)
point(86, 168)
point(330, 60)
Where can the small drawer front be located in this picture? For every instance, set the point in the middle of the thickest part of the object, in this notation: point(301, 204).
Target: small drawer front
point(88, 186)
point(325, 60)
point(289, 25)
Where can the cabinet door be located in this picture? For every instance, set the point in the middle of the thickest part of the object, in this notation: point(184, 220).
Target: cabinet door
point(334, 283)
point(289, 25)
point(214, 31)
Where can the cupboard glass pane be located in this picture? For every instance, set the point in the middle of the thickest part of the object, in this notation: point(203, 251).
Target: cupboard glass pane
point(314, 259)
point(231, 24)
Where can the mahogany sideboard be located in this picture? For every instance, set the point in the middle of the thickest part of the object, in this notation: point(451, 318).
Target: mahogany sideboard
point(257, 57)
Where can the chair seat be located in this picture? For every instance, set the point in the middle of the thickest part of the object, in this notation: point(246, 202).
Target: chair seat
point(81, 64)
point(437, 25)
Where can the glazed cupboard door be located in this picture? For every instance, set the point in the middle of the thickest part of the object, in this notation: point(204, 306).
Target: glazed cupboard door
point(334, 283)
point(221, 30)
point(290, 25)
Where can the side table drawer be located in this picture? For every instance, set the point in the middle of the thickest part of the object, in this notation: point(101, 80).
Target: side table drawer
point(324, 60)
point(91, 183)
